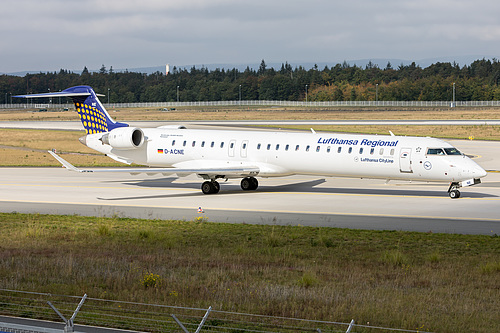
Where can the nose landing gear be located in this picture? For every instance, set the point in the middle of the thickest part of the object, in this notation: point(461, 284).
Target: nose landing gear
point(453, 191)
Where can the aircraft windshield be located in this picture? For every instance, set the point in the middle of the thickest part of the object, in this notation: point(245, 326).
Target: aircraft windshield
point(452, 151)
point(443, 151)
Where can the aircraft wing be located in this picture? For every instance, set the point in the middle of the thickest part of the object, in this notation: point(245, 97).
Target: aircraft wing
point(207, 173)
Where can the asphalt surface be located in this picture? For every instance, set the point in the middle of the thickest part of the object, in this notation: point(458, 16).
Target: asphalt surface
point(295, 200)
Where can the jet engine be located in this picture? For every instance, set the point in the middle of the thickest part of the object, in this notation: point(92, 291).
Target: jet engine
point(124, 138)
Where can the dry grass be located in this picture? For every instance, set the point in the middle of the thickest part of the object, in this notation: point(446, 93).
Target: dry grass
point(29, 148)
point(266, 113)
point(436, 282)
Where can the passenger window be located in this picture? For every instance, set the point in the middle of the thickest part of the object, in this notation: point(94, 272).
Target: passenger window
point(361, 150)
point(307, 148)
point(258, 146)
point(222, 144)
point(203, 144)
point(194, 143)
point(244, 146)
point(277, 146)
point(339, 150)
point(392, 151)
point(232, 145)
point(372, 151)
point(296, 147)
point(350, 150)
point(328, 149)
point(212, 144)
point(184, 143)
point(381, 151)
point(173, 142)
point(268, 146)
point(286, 147)
point(317, 149)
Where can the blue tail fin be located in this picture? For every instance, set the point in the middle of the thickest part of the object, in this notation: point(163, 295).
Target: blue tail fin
point(94, 117)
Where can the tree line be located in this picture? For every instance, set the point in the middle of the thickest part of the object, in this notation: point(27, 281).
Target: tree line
point(342, 82)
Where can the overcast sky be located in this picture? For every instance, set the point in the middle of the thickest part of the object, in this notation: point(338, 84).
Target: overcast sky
point(48, 35)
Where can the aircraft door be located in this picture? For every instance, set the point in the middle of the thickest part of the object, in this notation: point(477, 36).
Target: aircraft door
point(244, 147)
point(232, 145)
point(405, 160)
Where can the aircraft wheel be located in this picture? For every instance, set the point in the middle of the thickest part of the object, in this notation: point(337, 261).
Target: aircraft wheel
point(209, 187)
point(216, 187)
point(255, 183)
point(249, 184)
point(454, 194)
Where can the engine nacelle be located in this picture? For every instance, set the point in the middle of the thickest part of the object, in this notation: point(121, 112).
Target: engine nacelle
point(124, 138)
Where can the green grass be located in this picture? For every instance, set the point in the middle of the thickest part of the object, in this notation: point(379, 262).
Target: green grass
point(443, 282)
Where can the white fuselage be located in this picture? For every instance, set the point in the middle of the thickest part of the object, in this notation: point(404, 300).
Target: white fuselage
point(287, 153)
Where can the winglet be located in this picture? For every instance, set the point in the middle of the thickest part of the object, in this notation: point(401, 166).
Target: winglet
point(65, 163)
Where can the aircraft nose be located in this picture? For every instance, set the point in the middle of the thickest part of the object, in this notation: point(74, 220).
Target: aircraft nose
point(480, 172)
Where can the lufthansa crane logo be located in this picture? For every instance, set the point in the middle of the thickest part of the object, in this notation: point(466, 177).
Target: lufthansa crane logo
point(427, 165)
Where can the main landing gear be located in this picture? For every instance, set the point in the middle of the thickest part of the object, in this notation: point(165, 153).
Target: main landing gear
point(210, 187)
point(213, 187)
point(453, 191)
point(249, 184)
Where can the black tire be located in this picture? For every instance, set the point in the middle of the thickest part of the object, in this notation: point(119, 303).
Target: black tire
point(255, 183)
point(207, 187)
point(249, 184)
point(246, 184)
point(216, 187)
point(454, 194)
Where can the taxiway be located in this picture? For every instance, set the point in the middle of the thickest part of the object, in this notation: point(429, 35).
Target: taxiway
point(295, 200)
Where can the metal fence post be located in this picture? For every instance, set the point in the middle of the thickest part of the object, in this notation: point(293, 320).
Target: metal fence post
point(70, 327)
point(350, 326)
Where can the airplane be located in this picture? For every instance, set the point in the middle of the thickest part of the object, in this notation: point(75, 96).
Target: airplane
point(233, 154)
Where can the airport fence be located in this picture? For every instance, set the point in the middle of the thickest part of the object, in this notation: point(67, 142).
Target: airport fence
point(143, 317)
point(169, 105)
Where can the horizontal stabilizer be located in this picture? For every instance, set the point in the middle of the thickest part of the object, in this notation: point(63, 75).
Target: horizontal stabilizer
point(58, 94)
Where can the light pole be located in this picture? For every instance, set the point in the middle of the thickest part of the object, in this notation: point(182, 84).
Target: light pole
point(177, 94)
point(306, 93)
point(376, 93)
point(453, 104)
point(240, 93)
point(108, 95)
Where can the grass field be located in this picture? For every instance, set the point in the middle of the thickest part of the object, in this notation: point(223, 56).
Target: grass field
point(433, 282)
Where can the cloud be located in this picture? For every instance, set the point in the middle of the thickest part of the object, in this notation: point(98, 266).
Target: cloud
point(130, 33)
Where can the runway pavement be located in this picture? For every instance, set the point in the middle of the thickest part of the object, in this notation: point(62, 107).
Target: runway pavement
point(295, 200)
point(315, 201)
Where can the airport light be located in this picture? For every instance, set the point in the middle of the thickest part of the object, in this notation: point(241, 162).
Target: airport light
point(306, 93)
point(453, 104)
point(240, 93)
point(376, 93)
point(177, 94)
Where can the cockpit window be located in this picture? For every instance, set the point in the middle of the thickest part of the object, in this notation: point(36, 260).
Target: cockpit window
point(435, 151)
point(452, 151)
point(443, 151)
